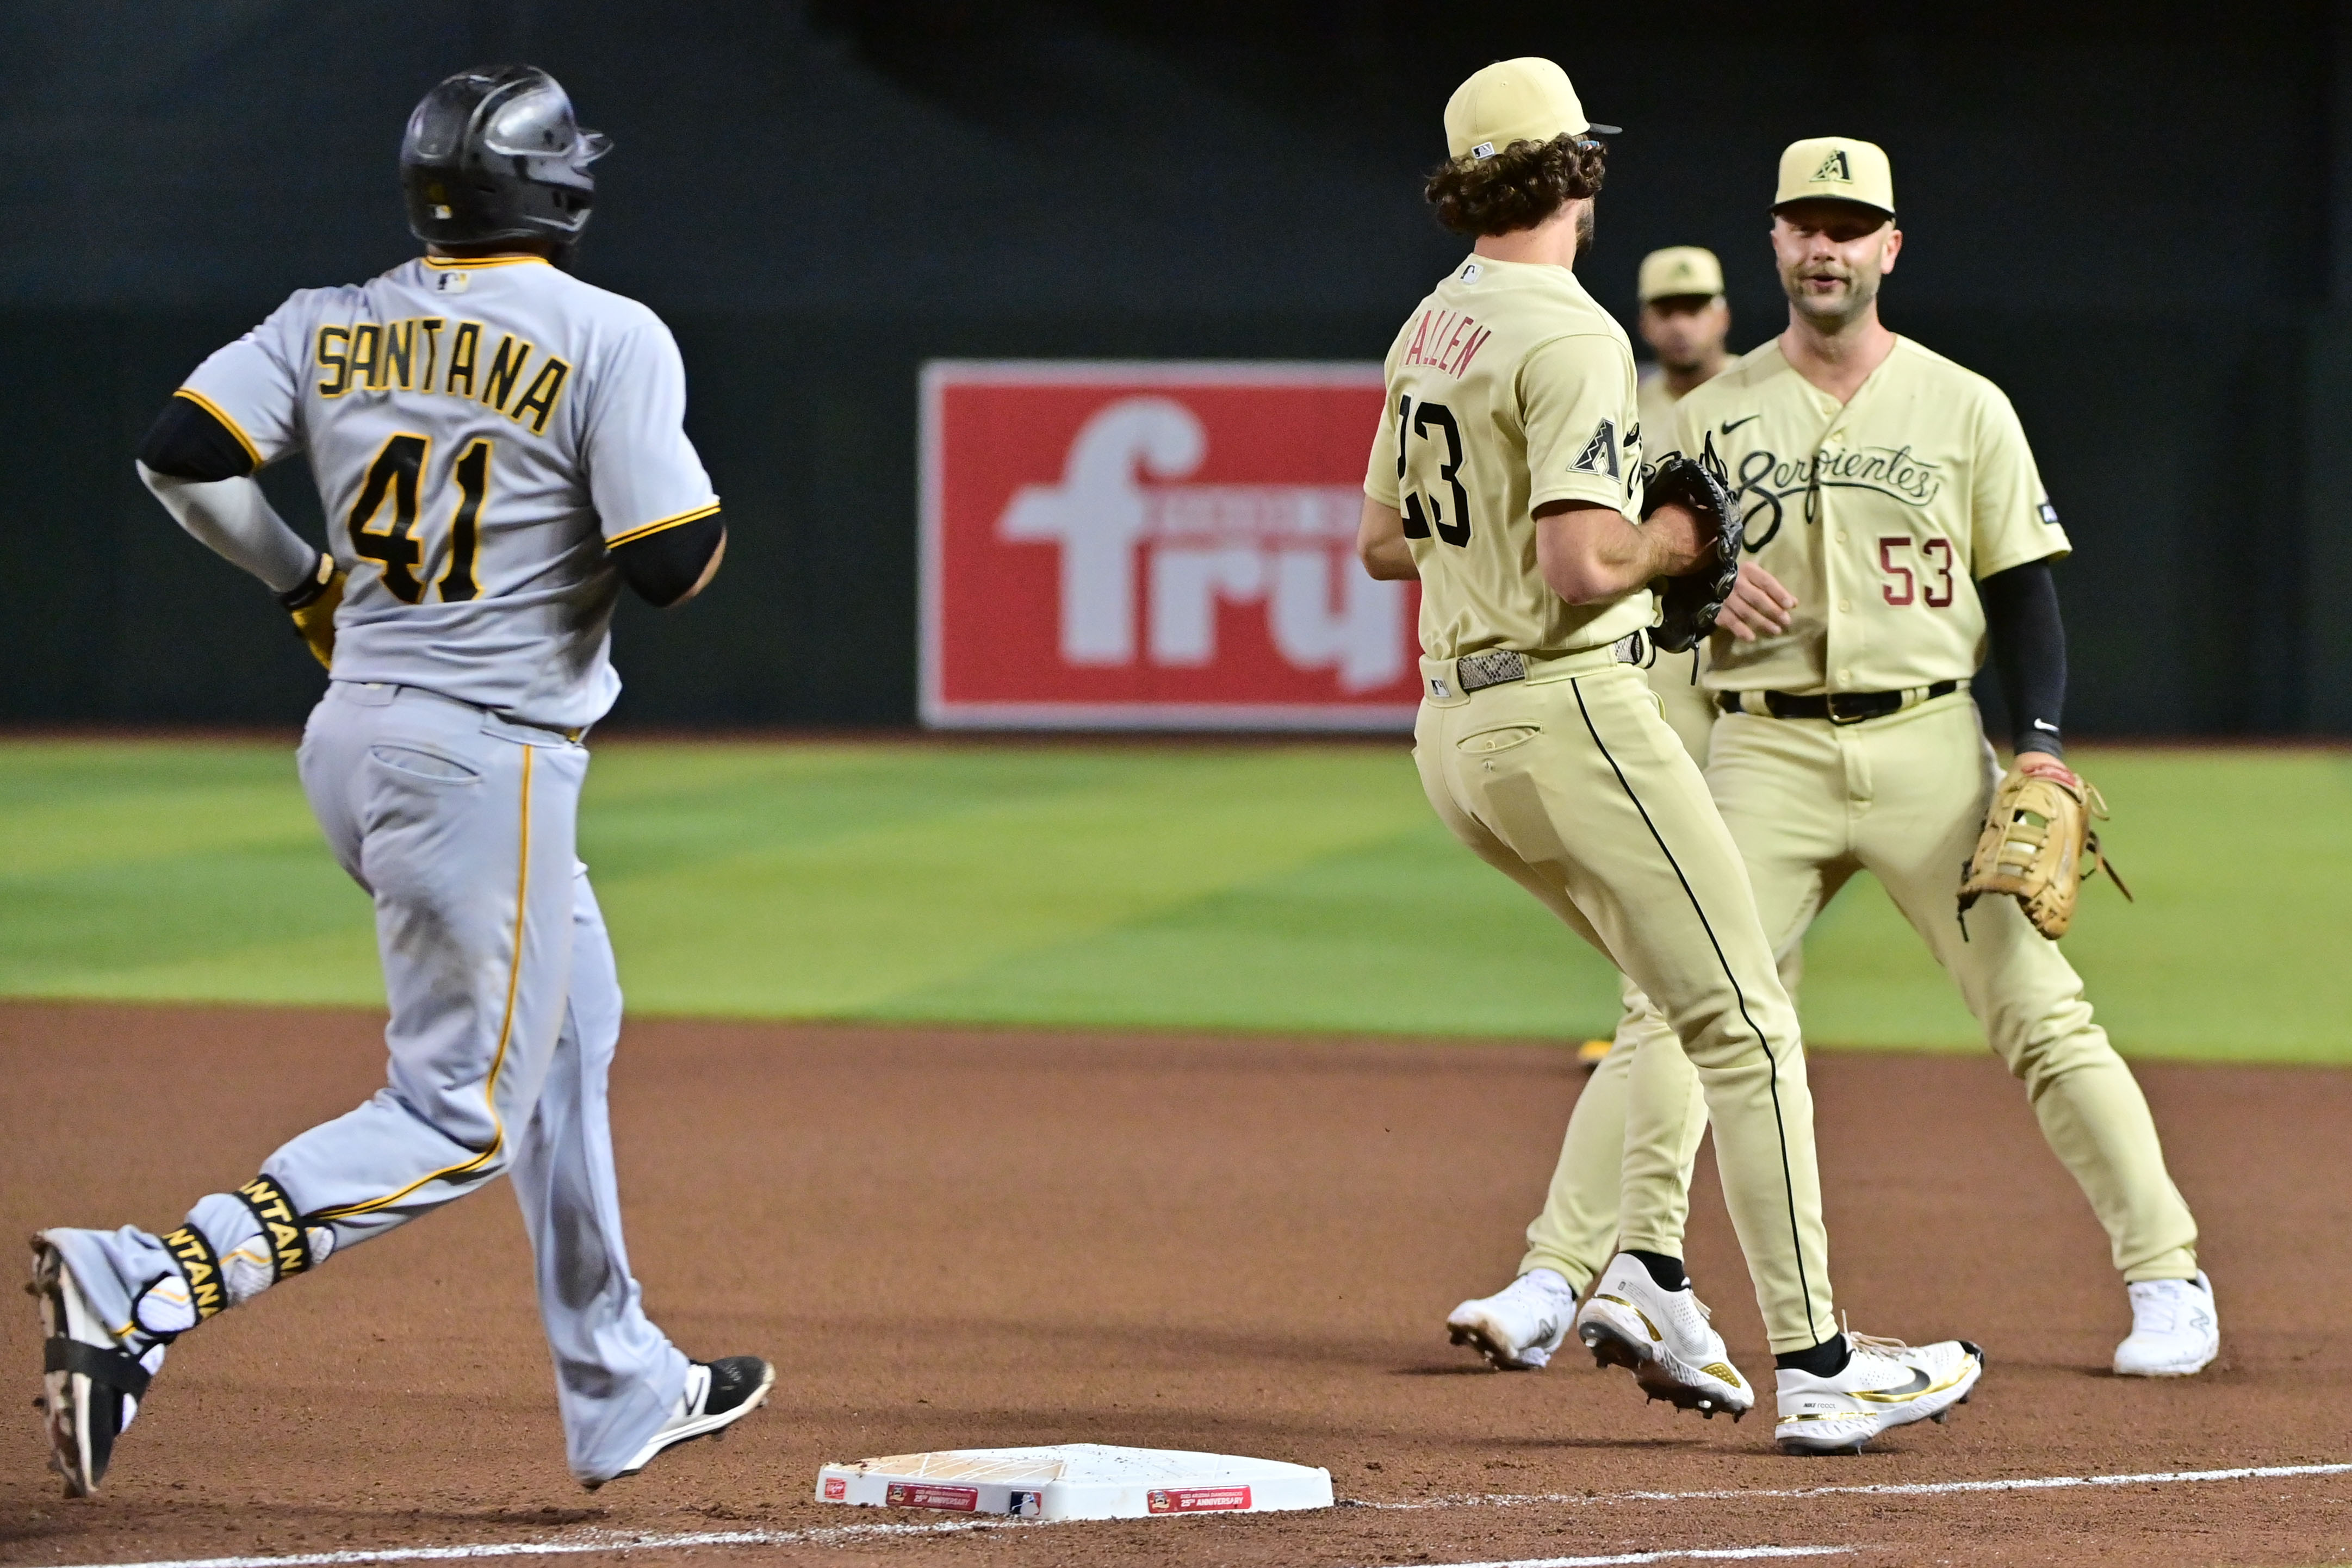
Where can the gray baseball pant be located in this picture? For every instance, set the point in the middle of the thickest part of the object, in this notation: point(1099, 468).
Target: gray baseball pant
point(506, 1011)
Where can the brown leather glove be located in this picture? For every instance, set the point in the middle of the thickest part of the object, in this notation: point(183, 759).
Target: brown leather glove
point(2038, 845)
point(311, 603)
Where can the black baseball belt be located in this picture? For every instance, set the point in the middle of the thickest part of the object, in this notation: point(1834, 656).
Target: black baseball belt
point(1838, 707)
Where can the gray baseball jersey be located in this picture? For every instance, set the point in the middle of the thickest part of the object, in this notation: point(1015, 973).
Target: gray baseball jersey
point(481, 433)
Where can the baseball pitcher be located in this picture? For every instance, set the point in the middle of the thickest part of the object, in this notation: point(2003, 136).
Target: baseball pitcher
point(1896, 524)
point(498, 447)
point(1508, 478)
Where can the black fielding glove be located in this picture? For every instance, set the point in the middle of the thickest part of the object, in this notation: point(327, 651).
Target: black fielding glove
point(1693, 601)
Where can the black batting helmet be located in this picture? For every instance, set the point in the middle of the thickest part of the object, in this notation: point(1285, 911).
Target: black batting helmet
point(496, 155)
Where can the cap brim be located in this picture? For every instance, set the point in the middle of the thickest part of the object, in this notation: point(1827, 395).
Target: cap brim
point(1842, 201)
point(1604, 130)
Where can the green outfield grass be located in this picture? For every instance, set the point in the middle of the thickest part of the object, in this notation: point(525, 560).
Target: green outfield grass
point(1291, 887)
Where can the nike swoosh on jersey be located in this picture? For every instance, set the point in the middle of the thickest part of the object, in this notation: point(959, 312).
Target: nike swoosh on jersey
point(1729, 425)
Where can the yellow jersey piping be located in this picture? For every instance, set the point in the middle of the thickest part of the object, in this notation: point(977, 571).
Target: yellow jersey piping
point(210, 407)
point(506, 1031)
point(654, 527)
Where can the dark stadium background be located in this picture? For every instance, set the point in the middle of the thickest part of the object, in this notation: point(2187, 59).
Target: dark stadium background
point(2136, 218)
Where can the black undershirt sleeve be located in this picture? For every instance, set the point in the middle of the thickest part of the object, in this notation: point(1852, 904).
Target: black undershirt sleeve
point(2029, 651)
point(661, 567)
point(187, 443)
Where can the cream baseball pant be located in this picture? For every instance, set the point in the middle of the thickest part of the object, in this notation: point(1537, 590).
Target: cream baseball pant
point(1689, 708)
point(1810, 803)
point(1570, 783)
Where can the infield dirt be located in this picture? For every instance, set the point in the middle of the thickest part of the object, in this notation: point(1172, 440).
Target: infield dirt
point(963, 1238)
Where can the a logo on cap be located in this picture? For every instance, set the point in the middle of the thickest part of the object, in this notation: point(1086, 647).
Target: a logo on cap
point(1835, 167)
point(1482, 151)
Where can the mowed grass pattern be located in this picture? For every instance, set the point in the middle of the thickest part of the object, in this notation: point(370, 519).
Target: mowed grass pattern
point(1302, 887)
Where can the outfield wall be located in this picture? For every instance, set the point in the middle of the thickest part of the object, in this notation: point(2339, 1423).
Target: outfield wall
point(2202, 600)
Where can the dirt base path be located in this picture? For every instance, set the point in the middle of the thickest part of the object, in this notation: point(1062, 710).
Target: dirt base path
point(974, 1238)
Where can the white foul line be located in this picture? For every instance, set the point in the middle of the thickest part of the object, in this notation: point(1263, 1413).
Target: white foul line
point(587, 1542)
point(1913, 1488)
point(604, 1541)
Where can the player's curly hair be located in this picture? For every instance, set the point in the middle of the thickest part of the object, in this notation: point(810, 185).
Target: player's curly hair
point(1518, 187)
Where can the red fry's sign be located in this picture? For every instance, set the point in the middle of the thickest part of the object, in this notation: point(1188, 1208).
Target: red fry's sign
point(1155, 545)
point(1197, 1499)
point(909, 1494)
point(836, 1487)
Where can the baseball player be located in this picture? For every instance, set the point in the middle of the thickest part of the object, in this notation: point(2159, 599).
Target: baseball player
point(1684, 321)
point(1505, 477)
point(1897, 522)
point(498, 447)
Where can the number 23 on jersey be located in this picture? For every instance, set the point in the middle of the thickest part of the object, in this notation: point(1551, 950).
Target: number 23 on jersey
point(1433, 423)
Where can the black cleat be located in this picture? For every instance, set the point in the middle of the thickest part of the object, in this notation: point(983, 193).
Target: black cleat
point(717, 1395)
point(90, 1385)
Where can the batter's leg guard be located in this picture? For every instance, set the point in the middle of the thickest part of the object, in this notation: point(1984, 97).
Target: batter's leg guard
point(174, 1303)
point(284, 1237)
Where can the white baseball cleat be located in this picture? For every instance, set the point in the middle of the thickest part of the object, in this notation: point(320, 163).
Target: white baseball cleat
point(1517, 1327)
point(1886, 1383)
point(718, 1394)
point(91, 1383)
point(1663, 1338)
point(2176, 1330)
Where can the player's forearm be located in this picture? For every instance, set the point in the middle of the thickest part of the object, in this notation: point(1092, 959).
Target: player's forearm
point(234, 519)
point(1381, 546)
point(2029, 651)
point(1591, 554)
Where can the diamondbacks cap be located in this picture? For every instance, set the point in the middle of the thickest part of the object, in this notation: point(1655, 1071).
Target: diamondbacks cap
point(1680, 269)
point(1841, 168)
point(1526, 99)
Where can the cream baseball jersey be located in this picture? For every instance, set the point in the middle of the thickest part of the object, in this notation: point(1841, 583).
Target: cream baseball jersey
point(481, 433)
point(1509, 388)
point(1655, 403)
point(1879, 515)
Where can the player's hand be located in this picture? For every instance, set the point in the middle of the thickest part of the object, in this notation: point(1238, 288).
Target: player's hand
point(1683, 547)
point(1759, 605)
point(312, 604)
